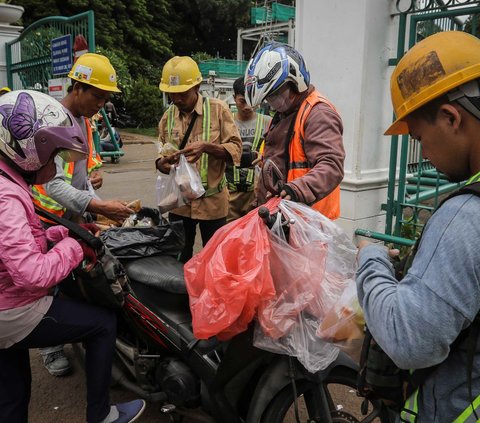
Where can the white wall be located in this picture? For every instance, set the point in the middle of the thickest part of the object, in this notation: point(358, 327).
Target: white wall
point(347, 45)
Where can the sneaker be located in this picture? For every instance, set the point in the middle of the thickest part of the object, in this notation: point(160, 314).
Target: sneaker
point(57, 363)
point(129, 411)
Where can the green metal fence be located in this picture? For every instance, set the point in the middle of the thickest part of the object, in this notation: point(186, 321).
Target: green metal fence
point(415, 192)
point(29, 57)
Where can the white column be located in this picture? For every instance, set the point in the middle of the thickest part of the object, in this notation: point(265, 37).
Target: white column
point(347, 45)
point(8, 14)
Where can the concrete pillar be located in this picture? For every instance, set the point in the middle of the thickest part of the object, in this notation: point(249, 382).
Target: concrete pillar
point(8, 14)
point(347, 45)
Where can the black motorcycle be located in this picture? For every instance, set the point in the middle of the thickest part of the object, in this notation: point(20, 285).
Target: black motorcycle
point(158, 358)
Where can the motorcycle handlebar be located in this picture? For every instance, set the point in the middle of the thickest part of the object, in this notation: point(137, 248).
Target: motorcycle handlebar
point(268, 219)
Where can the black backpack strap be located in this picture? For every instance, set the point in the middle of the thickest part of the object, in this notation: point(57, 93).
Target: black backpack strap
point(82, 233)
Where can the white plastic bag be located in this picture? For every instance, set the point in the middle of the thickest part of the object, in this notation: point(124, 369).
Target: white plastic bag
point(188, 180)
point(168, 194)
point(310, 273)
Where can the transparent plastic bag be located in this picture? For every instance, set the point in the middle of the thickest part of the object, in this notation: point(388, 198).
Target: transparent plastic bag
point(188, 180)
point(310, 273)
point(168, 194)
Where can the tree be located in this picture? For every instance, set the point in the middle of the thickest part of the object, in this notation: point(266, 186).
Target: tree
point(135, 31)
point(207, 25)
point(145, 103)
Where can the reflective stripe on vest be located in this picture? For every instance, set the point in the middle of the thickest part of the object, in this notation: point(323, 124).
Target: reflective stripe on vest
point(206, 138)
point(41, 198)
point(258, 135)
point(410, 409)
point(468, 415)
point(329, 206)
point(94, 161)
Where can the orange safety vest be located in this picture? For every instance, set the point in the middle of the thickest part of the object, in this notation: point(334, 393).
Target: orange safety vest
point(298, 166)
point(94, 161)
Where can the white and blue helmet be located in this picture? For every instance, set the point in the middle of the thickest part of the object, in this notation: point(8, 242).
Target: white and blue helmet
point(273, 66)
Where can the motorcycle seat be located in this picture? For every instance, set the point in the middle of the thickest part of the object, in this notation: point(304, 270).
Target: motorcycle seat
point(161, 272)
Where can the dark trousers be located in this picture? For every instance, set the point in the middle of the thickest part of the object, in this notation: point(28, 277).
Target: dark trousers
point(66, 321)
point(207, 229)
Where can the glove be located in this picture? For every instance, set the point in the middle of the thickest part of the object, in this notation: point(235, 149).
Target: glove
point(89, 255)
point(289, 191)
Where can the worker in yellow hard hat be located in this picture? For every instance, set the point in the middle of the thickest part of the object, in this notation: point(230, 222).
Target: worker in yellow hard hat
point(430, 320)
point(70, 194)
point(4, 90)
point(203, 130)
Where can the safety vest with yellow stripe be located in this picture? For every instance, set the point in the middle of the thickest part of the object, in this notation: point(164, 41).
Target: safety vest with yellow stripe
point(206, 138)
point(256, 144)
point(471, 413)
point(299, 166)
point(94, 161)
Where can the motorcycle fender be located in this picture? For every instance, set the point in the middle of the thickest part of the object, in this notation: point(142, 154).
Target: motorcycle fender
point(273, 380)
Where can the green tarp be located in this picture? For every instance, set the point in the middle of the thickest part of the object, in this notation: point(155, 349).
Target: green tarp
point(277, 13)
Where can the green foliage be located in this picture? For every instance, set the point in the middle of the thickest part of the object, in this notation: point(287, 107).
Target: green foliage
point(149, 132)
point(207, 25)
point(139, 36)
point(145, 103)
point(38, 43)
point(201, 55)
point(135, 31)
point(124, 78)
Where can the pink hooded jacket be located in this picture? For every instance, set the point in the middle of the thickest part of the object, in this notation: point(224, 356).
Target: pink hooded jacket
point(27, 267)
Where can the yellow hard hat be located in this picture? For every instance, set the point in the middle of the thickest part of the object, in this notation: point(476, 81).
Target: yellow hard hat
point(180, 74)
point(6, 89)
point(431, 68)
point(96, 70)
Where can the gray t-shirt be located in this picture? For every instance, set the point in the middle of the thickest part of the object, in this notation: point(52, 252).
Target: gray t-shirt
point(416, 320)
point(247, 134)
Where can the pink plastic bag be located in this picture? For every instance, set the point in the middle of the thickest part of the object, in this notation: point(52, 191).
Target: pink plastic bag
point(229, 278)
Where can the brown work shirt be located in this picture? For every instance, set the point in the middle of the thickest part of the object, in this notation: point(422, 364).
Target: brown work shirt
point(223, 132)
point(323, 145)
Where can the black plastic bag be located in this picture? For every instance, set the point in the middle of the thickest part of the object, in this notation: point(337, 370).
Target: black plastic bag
point(166, 238)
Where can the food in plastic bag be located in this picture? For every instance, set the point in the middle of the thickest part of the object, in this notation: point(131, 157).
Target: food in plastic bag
point(345, 321)
point(168, 194)
point(188, 180)
point(167, 149)
point(311, 270)
point(229, 278)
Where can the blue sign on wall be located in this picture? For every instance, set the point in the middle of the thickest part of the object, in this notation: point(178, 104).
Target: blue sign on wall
point(62, 59)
